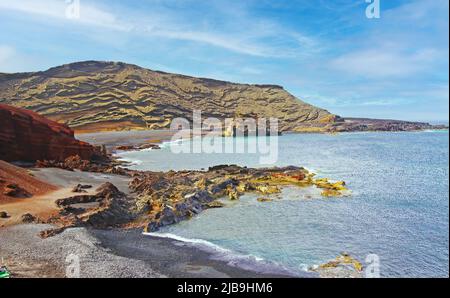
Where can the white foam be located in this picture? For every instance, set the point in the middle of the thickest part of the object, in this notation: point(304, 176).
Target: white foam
point(247, 262)
point(202, 242)
point(132, 161)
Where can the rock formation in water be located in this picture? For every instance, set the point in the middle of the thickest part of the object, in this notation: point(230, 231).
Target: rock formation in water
point(159, 199)
point(27, 136)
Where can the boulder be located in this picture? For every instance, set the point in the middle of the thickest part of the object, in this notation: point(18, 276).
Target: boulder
point(233, 194)
point(168, 216)
point(220, 188)
point(4, 214)
point(202, 197)
point(151, 227)
point(215, 204)
point(29, 218)
point(262, 200)
point(81, 188)
point(15, 191)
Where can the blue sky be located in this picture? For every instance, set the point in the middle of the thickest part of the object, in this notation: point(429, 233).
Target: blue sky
point(325, 52)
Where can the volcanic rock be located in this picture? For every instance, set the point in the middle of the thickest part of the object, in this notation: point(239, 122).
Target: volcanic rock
point(29, 218)
point(28, 136)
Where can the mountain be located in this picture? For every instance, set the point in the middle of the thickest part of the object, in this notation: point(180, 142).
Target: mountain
point(99, 96)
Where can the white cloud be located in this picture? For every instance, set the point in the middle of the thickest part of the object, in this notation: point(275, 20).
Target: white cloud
point(6, 53)
point(379, 62)
point(89, 15)
point(247, 36)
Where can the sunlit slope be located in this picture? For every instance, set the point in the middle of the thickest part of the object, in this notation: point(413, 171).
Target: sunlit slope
point(94, 96)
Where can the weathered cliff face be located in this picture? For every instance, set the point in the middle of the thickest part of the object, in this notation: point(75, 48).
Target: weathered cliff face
point(93, 96)
point(27, 136)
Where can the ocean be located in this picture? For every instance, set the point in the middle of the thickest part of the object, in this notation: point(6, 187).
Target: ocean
point(398, 210)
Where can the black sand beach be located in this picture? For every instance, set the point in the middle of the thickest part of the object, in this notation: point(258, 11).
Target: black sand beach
point(109, 253)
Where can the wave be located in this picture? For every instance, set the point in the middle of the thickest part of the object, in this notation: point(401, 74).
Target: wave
point(243, 261)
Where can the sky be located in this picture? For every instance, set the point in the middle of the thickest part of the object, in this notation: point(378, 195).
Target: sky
point(327, 53)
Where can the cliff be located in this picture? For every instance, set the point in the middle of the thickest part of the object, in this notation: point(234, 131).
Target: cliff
point(27, 136)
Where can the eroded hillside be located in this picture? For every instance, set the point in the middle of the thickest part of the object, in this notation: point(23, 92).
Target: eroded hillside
point(95, 96)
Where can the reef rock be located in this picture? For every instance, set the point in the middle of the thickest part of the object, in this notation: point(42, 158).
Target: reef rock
point(27, 136)
point(344, 266)
point(159, 199)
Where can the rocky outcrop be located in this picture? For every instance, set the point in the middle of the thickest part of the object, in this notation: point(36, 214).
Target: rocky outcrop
point(109, 207)
point(71, 163)
point(27, 136)
point(363, 124)
point(167, 198)
point(29, 218)
point(344, 266)
point(81, 188)
point(15, 191)
point(94, 96)
point(159, 199)
point(138, 147)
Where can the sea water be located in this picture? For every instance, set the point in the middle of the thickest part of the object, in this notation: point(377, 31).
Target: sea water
point(398, 210)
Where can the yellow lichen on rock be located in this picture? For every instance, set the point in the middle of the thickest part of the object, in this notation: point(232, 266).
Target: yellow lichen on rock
point(335, 189)
point(330, 193)
point(344, 266)
point(300, 178)
point(267, 189)
point(232, 193)
point(242, 187)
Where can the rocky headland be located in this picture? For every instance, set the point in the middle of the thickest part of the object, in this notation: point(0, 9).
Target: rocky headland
point(162, 198)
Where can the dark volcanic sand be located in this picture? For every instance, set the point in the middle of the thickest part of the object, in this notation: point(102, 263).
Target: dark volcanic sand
point(109, 253)
point(171, 257)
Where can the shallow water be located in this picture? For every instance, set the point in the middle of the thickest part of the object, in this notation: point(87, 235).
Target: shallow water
point(399, 208)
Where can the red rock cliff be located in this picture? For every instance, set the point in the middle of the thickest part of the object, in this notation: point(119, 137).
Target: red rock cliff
point(27, 136)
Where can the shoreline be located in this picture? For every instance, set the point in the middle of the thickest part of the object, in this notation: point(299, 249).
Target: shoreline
point(112, 253)
point(154, 256)
point(28, 255)
point(112, 139)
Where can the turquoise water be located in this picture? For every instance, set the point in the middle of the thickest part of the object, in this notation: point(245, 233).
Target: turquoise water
point(399, 208)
